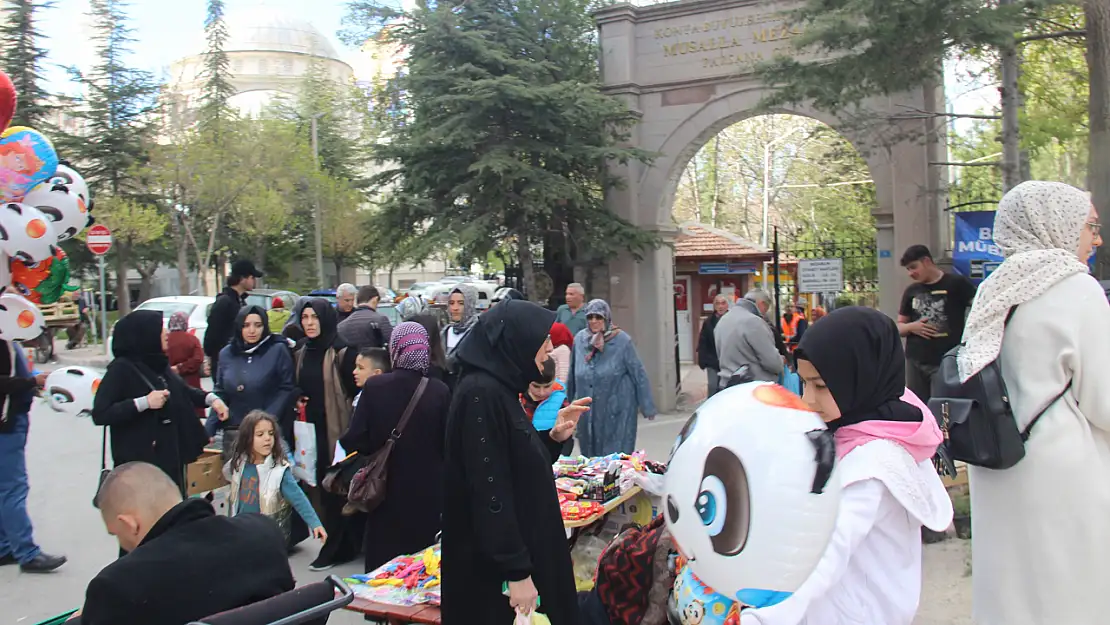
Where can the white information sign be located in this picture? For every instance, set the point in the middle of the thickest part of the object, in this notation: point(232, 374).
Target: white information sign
point(821, 275)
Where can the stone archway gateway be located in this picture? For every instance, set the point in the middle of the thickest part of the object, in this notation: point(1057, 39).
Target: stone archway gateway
point(687, 69)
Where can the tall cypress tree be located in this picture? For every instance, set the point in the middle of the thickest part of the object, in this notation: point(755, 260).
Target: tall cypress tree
point(115, 133)
point(115, 105)
point(217, 87)
point(22, 59)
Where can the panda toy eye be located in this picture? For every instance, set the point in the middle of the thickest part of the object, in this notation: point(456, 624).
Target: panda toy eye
point(61, 396)
point(712, 504)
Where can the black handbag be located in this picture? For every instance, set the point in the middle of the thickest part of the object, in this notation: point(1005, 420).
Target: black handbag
point(104, 470)
point(976, 416)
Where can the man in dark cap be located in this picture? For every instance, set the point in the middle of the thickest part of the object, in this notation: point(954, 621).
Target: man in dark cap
point(221, 319)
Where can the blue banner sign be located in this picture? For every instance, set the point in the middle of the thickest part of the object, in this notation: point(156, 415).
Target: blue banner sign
point(976, 254)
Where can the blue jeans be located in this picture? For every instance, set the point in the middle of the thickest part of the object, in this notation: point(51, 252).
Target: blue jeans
point(15, 525)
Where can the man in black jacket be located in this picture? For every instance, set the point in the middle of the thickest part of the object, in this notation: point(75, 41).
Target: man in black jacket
point(221, 319)
point(184, 561)
point(365, 326)
point(707, 345)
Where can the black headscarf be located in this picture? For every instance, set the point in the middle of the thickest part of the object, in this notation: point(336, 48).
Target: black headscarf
point(504, 343)
point(858, 353)
point(138, 338)
point(329, 322)
point(238, 345)
point(511, 294)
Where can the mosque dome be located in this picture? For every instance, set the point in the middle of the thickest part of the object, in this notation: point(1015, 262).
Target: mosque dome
point(264, 29)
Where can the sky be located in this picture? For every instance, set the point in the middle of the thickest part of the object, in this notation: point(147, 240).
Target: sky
point(166, 30)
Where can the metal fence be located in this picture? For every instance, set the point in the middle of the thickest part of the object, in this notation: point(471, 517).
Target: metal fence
point(861, 269)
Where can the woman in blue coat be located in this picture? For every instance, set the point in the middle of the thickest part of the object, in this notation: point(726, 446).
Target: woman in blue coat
point(255, 373)
point(606, 367)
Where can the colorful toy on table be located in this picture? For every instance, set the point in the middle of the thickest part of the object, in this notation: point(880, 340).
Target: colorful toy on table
point(698, 604)
point(578, 510)
point(418, 573)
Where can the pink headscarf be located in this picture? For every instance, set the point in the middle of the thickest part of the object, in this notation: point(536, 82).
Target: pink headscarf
point(920, 439)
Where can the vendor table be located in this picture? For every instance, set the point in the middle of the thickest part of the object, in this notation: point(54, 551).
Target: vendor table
point(429, 614)
point(609, 507)
point(396, 614)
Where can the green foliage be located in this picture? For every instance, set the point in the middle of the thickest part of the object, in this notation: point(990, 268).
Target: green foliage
point(217, 86)
point(22, 59)
point(114, 112)
point(882, 47)
point(497, 132)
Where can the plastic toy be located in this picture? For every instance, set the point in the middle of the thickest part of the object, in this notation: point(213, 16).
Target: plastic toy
point(751, 495)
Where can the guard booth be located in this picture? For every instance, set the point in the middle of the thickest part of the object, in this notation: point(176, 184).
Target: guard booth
point(710, 261)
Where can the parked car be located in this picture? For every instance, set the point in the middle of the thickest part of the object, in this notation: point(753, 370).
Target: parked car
point(419, 288)
point(328, 294)
point(390, 311)
point(265, 297)
point(387, 294)
point(196, 306)
point(455, 279)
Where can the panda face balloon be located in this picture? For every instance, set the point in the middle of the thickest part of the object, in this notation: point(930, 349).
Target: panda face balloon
point(65, 208)
point(70, 390)
point(751, 496)
point(65, 175)
point(20, 320)
point(25, 233)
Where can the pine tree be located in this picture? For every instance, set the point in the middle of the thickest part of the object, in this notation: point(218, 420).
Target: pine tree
point(22, 59)
point(115, 132)
point(217, 72)
point(504, 140)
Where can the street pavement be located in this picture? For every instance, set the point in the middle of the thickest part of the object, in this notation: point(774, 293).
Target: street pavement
point(63, 460)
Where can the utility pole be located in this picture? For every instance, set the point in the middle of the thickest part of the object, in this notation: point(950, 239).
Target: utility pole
point(767, 180)
point(319, 235)
point(1011, 101)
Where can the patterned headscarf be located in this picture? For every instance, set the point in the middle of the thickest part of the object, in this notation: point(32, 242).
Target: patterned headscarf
point(179, 322)
point(1037, 226)
point(412, 306)
point(470, 308)
point(408, 347)
point(598, 339)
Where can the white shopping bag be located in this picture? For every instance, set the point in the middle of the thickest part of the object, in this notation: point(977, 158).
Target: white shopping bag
point(304, 452)
point(340, 454)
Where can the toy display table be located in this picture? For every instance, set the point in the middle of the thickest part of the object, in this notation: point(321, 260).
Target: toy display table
point(613, 504)
point(396, 614)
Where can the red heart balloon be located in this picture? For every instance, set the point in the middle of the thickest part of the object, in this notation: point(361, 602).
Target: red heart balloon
point(7, 101)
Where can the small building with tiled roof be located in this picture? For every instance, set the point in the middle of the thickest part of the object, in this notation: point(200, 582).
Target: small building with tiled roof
point(709, 261)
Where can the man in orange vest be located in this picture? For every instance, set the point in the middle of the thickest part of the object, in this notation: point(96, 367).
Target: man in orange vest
point(794, 325)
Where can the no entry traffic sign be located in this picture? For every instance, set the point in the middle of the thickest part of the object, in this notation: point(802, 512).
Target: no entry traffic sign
point(99, 239)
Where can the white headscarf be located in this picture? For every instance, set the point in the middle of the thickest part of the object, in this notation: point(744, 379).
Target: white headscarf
point(1037, 226)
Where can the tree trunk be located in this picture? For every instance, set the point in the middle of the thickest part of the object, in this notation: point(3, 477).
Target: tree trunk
point(260, 257)
point(693, 172)
point(146, 280)
point(527, 268)
point(123, 293)
point(182, 255)
point(1011, 102)
point(716, 180)
point(1098, 66)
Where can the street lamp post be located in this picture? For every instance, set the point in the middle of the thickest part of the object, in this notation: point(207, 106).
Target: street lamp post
point(767, 179)
point(319, 236)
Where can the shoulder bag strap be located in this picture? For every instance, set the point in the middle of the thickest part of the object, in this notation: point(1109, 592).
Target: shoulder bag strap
point(1028, 428)
point(141, 376)
point(397, 431)
point(104, 448)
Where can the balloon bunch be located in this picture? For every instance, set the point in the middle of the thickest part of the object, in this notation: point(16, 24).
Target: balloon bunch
point(42, 201)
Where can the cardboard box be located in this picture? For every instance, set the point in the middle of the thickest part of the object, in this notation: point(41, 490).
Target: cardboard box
point(205, 474)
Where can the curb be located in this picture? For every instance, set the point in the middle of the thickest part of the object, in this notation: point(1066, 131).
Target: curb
point(69, 360)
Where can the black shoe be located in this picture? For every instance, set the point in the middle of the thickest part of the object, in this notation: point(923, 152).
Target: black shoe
point(42, 563)
point(321, 565)
point(8, 559)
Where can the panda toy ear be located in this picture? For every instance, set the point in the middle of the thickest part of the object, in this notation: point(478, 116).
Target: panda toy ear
point(826, 458)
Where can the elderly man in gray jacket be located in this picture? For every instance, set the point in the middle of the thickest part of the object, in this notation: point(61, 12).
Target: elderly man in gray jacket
point(744, 338)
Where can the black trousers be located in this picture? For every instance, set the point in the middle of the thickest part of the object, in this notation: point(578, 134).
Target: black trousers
point(919, 379)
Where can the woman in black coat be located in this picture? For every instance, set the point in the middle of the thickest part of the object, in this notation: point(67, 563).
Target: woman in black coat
point(501, 517)
point(255, 373)
point(324, 367)
point(409, 517)
point(149, 409)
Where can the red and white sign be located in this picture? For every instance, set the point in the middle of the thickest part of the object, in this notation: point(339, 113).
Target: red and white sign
point(99, 240)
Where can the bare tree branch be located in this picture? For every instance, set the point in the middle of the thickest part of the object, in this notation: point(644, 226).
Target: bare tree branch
point(1058, 35)
point(983, 164)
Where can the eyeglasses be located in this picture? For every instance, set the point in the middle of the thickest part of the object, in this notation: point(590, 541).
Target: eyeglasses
point(595, 318)
point(1094, 226)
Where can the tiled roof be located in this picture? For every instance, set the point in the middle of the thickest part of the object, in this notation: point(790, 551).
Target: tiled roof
point(696, 240)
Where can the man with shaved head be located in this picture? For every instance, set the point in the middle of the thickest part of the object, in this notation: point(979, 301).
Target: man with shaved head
point(183, 562)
